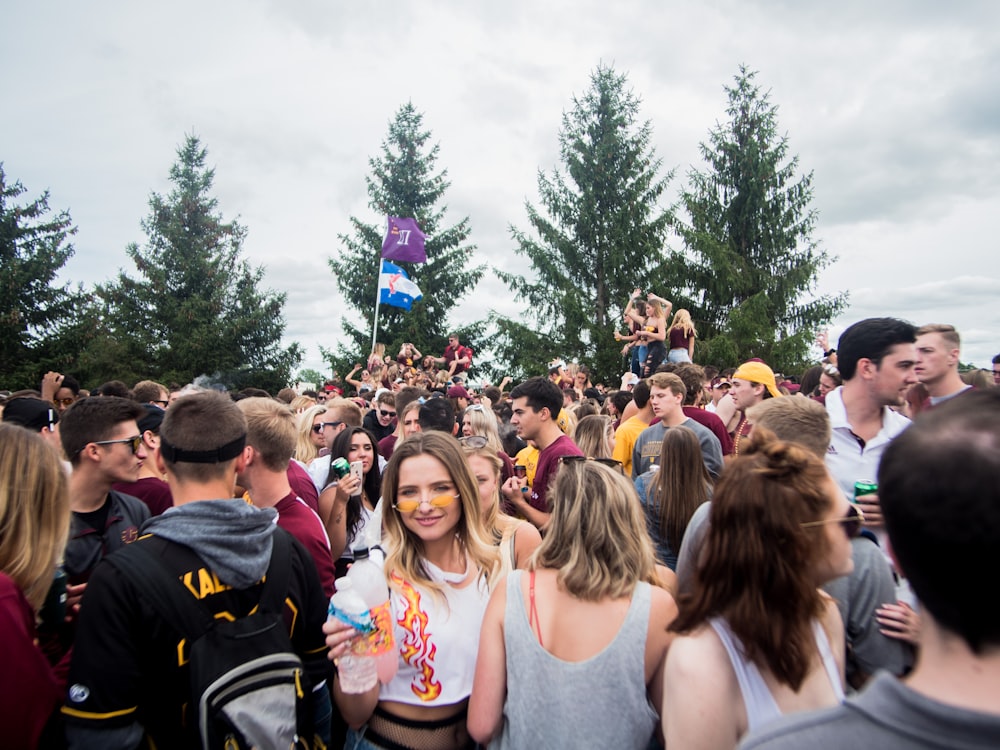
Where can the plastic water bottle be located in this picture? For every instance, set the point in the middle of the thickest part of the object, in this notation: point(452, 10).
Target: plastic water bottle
point(357, 672)
point(368, 578)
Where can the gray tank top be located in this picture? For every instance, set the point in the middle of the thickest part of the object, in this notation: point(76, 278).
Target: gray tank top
point(596, 703)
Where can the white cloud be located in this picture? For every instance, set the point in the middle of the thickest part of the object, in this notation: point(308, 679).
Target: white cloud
point(889, 104)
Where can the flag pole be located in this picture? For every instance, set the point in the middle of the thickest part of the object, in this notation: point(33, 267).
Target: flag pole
point(378, 299)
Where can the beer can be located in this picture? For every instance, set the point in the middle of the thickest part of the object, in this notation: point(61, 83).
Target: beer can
point(342, 466)
point(865, 487)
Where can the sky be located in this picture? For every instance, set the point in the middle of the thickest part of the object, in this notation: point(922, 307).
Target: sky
point(893, 106)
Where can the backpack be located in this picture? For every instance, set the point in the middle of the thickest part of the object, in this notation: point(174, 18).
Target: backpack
point(248, 688)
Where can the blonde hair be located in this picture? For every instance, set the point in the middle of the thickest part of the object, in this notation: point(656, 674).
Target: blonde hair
point(301, 403)
point(682, 320)
point(270, 430)
point(34, 511)
point(405, 556)
point(484, 422)
point(592, 435)
point(596, 539)
point(305, 449)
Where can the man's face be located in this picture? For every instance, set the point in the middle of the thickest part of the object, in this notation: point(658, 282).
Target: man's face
point(527, 421)
point(453, 341)
point(718, 392)
point(895, 375)
point(163, 400)
point(118, 462)
point(63, 399)
point(745, 394)
point(935, 358)
point(665, 402)
point(996, 373)
point(385, 414)
point(321, 397)
point(331, 428)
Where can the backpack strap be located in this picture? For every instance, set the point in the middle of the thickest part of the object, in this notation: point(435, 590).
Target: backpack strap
point(174, 603)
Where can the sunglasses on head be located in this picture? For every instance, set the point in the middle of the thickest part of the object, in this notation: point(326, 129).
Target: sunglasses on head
point(853, 521)
point(438, 501)
point(613, 463)
point(472, 441)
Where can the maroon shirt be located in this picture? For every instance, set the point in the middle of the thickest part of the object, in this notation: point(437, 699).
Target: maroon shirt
point(152, 491)
point(548, 465)
point(302, 485)
point(295, 517)
point(712, 422)
point(29, 689)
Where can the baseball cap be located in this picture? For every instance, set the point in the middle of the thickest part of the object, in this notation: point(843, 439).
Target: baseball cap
point(758, 372)
point(152, 419)
point(458, 391)
point(32, 413)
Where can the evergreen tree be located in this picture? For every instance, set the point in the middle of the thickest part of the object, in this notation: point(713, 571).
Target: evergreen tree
point(751, 257)
point(403, 183)
point(603, 235)
point(41, 323)
point(196, 307)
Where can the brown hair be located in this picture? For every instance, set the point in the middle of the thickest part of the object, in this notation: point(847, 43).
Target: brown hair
point(591, 435)
point(92, 419)
point(668, 381)
point(202, 421)
point(597, 539)
point(755, 568)
point(681, 484)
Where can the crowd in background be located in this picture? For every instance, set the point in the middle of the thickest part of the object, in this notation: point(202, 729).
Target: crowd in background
point(680, 559)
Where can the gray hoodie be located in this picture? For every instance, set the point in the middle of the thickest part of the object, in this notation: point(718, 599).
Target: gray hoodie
point(232, 537)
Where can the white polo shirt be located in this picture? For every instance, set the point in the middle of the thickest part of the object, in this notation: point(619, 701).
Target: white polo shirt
point(847, 458)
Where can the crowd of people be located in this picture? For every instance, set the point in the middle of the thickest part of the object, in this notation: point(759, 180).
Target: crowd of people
point(694, 558)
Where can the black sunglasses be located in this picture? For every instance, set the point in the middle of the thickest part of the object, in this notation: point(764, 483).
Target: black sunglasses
point(134, 442)
point(613, 463)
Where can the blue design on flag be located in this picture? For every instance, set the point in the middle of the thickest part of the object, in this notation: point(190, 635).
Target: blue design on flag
point(403, 241)
point(395, 287)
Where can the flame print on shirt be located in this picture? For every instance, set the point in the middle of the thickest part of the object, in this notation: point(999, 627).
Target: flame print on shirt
point(416, 648)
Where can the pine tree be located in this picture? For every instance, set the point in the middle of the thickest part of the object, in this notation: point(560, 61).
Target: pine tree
point(603, 235)
point(750, 253)
point(403, 182)
point(196, 307)
point(41, 323)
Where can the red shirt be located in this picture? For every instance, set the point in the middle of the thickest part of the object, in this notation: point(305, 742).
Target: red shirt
point(295, 517)
point(29, 690)
point(548, 465)
point(152, 491)
point(712, 422)
point(452, 353)
point(302, 485)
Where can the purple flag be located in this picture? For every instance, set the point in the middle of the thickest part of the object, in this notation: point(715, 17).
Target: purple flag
point(403, 241)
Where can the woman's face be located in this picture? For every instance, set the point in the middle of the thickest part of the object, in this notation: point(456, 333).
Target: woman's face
point(421, 478)
point(411, 422)
point(837, 561)
point(362, 450)
point(317, 436)
point(487, 479)
point(826, 384)
point(467, 426)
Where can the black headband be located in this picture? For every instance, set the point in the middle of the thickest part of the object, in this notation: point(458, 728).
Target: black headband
point(227, 452)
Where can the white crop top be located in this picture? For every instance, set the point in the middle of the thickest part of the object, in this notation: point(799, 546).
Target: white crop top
point(437, 642)
point(760, 704)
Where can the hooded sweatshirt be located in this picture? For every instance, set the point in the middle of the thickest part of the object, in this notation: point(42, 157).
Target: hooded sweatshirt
point(233, 538)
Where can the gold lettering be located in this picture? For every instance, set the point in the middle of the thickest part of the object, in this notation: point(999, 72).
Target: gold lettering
point(186, 580)
point(205, 583)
